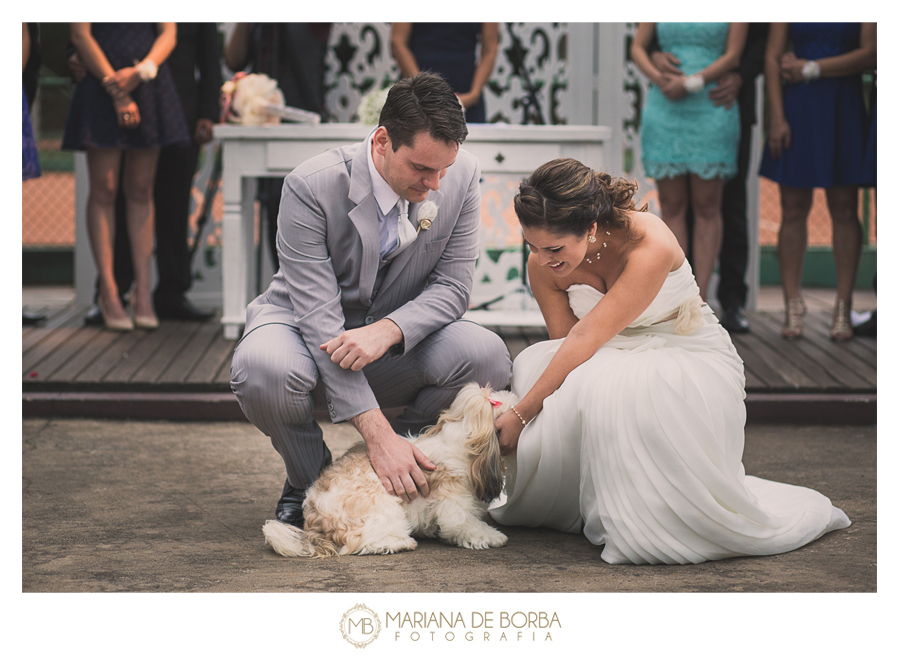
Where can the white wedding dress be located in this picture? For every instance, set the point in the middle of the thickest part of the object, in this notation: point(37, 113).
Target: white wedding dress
point(640, 448)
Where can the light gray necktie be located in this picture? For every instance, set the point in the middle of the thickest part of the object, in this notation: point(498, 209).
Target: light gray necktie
point(405, 232)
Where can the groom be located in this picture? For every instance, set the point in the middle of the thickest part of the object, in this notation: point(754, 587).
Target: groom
point(364, 312)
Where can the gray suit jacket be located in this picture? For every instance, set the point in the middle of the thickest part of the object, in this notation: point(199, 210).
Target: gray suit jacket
point(328, 248)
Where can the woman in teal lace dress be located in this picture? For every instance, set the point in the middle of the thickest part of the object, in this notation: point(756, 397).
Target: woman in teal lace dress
point(689, 145)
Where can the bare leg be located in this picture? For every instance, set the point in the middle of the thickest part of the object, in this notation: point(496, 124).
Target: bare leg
point(673, 203)
point(706, 200)
point(846, 237)
point(847, 245)
point(140, 171)
point(103, 174)
point(792, 238)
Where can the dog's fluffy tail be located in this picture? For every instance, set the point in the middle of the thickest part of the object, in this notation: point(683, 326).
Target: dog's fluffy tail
point(290, 541)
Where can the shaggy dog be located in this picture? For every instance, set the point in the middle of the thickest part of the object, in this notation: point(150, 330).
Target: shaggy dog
point(348, 511)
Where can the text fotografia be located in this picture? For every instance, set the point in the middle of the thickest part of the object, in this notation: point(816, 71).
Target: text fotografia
point(481, 626)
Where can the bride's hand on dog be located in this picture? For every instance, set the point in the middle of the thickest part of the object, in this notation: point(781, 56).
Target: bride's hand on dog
point(509, 427)
point(398, 464)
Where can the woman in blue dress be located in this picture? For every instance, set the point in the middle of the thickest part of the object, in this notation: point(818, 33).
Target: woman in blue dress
point(689, 145)
point(817, 130)
point(451, 49)
point(31, 167)
point(126, 104)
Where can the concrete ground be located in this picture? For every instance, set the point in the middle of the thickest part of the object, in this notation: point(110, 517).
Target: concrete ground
point(178, 507)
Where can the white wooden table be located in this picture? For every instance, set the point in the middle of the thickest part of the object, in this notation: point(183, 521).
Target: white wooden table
point(250, 152)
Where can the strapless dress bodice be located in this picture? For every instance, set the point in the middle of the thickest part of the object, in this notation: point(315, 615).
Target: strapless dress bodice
point(679, 296)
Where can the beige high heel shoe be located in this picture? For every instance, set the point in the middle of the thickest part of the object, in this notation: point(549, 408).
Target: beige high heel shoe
point(795, 309)
point(147, 322)
point(122, 324)
point(841, 328)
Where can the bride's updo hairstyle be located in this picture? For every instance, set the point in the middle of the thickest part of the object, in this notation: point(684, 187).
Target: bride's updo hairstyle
point(565, 197)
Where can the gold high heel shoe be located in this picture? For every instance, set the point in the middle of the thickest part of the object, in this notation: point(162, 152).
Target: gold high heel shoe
point(841, 329)
point(122, 324)
point(793, 322)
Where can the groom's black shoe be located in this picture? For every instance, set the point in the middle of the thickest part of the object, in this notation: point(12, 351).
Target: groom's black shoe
point(734, 320)
point(179, 309)
point(290, 508)
point(93, 318)
point(30, 318)
point(867, 328)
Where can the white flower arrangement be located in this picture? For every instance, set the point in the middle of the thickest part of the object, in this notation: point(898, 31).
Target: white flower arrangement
point(251, 95)
point(425, 216)
point(254, 99)
point(369, 110)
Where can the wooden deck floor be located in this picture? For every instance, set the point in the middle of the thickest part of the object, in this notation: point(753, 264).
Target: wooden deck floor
point(63, 355)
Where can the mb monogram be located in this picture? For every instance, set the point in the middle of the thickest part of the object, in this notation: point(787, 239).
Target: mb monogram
point(360, 626)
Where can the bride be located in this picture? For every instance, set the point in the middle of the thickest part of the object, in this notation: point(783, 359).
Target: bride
point(630, 426)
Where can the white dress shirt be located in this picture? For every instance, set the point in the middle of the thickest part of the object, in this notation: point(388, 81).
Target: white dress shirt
point(392, 238)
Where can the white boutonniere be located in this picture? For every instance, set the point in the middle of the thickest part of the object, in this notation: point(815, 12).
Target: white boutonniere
point(427, 212)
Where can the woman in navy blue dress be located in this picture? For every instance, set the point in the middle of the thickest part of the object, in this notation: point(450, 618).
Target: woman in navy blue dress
point(450, 49)
point(817, 133)
point(126, 104)
point(31, 168)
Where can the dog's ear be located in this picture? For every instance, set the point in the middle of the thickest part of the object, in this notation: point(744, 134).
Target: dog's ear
point(456, 413)
point(485, 461)
point(506, 399)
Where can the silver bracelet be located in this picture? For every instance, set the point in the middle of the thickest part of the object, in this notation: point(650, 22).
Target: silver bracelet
point(516, 412)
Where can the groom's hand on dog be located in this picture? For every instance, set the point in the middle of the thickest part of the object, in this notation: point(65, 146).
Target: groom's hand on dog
point(397, 462)
point(356, 348)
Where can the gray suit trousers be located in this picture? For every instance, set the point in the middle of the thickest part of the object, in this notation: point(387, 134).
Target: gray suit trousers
point(275, 380)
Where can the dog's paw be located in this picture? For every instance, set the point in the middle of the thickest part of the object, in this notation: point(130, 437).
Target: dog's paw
point(388, 545)
point(486, 537)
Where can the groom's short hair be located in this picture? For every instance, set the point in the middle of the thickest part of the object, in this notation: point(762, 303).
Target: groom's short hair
point(424, 102)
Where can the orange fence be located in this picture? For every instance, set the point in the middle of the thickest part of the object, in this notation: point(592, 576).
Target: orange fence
point(48, 213)
point(819, 220)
